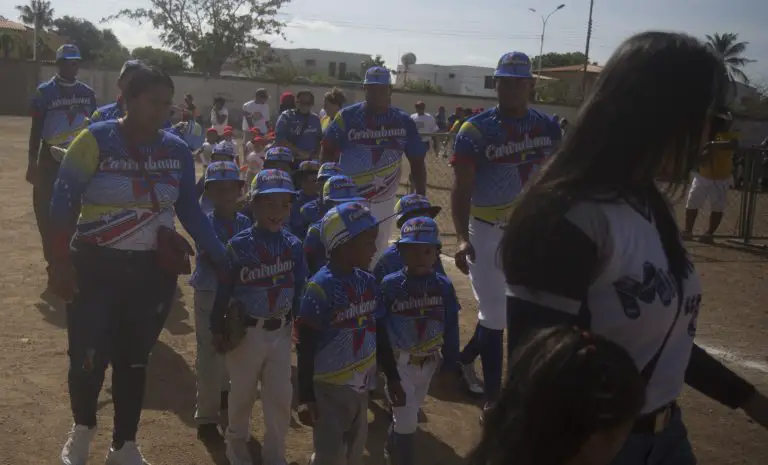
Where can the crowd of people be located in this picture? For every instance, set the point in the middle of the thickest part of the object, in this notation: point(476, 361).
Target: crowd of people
point(569, 244)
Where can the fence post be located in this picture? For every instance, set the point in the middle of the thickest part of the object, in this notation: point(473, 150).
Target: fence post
point(751, 190)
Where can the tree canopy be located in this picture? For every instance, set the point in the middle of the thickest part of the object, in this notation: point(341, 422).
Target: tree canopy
point(170, 62)
point(209, 32)
point(37, 13)
point(555, 60)
point(732, 51)
point(371, 62)
point(98, 46)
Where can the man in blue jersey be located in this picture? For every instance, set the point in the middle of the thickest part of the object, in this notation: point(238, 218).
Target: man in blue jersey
point(116, 109)
point(369, 139)
point(60, 110)
point(495, 153)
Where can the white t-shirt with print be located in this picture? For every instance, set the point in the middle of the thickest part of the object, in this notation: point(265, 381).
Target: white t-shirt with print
point(260, 114)
point(425, 123)
point(220, 127)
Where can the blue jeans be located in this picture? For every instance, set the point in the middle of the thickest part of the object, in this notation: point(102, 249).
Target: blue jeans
point(670, 447)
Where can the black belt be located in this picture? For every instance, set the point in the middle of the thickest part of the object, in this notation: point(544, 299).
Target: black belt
point(267, 324)
point(655, 422)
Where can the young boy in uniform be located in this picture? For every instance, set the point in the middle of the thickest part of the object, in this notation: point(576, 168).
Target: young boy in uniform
point(421, 317)
point(222, 188)
point(267, 274)
point(340, 340)
point(279, 158)
point(305, 181)
point(313, 211)
point(220, 152)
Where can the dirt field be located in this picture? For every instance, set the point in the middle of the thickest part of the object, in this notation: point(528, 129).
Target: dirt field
point(34, 405)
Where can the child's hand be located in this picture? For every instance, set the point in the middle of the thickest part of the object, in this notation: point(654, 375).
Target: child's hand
point(396, 393)
point(308, 413)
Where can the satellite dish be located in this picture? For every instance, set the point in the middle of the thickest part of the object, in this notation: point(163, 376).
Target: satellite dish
point(408, 59)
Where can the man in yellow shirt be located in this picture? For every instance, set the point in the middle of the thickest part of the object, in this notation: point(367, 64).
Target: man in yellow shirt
point(713, 179)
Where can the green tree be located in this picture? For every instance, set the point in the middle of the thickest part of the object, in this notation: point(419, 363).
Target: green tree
point(423, 86)
point(556, 60)
point(209, 32)
point(38, 14)
point(98, 46)
point(372, 61)
point(10, 42)
point(171, 62)
point(728, 46)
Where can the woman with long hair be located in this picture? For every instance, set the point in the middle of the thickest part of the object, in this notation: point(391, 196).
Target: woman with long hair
point(593, 241)
point(118, 255)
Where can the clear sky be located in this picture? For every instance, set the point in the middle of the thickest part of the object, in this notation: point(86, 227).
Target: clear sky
point(474, 32)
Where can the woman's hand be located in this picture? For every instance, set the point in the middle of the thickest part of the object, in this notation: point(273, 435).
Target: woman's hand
point(757, 409)
point(464, 251)
point(62, 280)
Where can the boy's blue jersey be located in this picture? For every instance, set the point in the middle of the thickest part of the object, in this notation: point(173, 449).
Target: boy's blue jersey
point(297, 223)
point(421, 313)
point(314, 249)
point(64, 108)
point(313, 211)
point(301, 130)
point(343, 310)
point(205, 277)
point(107, 112)
point(391, 261)
point(269, 270)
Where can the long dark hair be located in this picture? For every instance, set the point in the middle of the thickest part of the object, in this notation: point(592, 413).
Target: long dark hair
point(568, 385)
point(648, 110)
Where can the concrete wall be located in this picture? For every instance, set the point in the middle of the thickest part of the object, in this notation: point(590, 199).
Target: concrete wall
point(17, 83)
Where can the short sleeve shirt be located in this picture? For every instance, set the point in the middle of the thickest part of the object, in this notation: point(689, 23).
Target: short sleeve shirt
point(64, 108)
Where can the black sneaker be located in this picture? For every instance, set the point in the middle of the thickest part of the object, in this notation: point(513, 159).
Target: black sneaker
point(209, 433)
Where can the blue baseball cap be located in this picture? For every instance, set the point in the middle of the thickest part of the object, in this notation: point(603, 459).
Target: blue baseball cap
point(130, 65)
point(415, 202)
point(377, 75)
point(224, 148)
point(345, 222)
point(420, 230)
point(514, 65)
point(68, 52)
point(279, 154)
point(329, 170)
point(341, 189)
point(271, 182)
point(222, 171)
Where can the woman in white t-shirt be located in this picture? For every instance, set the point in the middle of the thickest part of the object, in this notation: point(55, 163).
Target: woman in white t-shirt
point(219, 115)
point(593, 242)
point(256, 113)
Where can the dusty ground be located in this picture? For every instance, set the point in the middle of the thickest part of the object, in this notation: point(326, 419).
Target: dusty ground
point(34, 406)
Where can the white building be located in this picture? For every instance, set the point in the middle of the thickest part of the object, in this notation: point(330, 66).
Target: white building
point(338, 65)
point(458, 79)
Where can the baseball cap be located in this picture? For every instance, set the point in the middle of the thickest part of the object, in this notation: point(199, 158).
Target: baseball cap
point(271, 182)
point(345, 222)
point(309, 165)
point(285, 96)
point(415, 202)
point(329, 170)
point(377, 75)
point(68, 52)
point(227, 130)
point(341, 189)
point(262, 92)
point(129, 65)
point(420, 230)
point(222, 171)
point(224, 148)
point(211, 131)
point(279, 154)
point(514, 65)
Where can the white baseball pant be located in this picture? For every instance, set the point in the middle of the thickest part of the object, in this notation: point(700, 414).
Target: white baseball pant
point(210, 367)
point(383, 209)
point(263, 356)
point(415, 379)
point(703, 189)
point(486, 276)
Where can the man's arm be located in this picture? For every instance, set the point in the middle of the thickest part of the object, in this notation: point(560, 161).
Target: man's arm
point(466, 150)
point(38, 109)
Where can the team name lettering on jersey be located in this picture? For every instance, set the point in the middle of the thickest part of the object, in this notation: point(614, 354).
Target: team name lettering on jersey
point(121, 165)
point(417, 302)
point(383, 133)
point(68, 102)
point(519, 149)
point(655, 283)
point(248, 274)
point(356, 310)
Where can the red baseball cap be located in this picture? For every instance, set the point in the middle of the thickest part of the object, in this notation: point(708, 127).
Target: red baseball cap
point(286, 96)
point(211, 131)
point(259, 140)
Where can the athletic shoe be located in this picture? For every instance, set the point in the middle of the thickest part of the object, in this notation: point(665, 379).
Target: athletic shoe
point(238, 453)
point(469, 377)
point(129, 454)
point(78, 446)
point(209, 433)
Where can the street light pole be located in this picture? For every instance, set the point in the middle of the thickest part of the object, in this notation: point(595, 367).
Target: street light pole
point(544, 20)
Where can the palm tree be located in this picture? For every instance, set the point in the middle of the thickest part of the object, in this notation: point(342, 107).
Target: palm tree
point(38, 14)
point(729, 47)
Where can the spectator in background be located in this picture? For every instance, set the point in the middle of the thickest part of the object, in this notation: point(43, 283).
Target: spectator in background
point(334, 100)
point(189, 105)
point(458, 113)
point(116, 109)
point(219, 115)
point(424, 123)
point(287, 102)
point(441, 119)
point(256, 115)
point(298, 129)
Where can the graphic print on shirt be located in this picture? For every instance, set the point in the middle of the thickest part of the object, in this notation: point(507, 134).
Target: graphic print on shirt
point(64, 107)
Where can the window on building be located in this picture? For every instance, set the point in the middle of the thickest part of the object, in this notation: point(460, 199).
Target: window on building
point(342, 70)
point(310, 63)
point(332, 69)
point(489, 83)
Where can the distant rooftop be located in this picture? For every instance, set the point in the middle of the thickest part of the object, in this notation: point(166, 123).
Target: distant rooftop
point(591, 69)
point(9, 25)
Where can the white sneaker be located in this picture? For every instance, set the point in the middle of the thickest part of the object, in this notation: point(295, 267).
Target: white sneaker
point(129, 454)
point(78, 445)
point(470, 379)
point(238, 453)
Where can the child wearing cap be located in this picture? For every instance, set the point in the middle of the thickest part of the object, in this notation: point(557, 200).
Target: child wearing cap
point(205, 151)
point(337, 190)
point(221, 152)
point(409, 206)
point(421, 317)
point(228, 137)
point(279, 158)
point(222, 188)
point(307, 190)
point(314, 210)
point(267, 274)
point(341, 339)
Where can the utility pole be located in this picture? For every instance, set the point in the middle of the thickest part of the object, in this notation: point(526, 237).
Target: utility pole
point(586, 51)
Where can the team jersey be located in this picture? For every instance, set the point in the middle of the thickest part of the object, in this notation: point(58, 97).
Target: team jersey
point(629, 294)
point(301, 130)
point(418, 310)
point(505, 152)
point(371, 148)
point(297, 222)
point(268, 272)
point(109, 111)
point(343, 310)
point(205, 277)
point(64, 108)
point(101, 181)
point(313, 211)
point(314, 249)
point(720, 163)
point(391, 261)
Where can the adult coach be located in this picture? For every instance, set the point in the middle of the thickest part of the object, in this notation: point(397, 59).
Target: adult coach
point(368, 140)
point(299, 129)
point(593, 243)
point(60, 110)
point(116, 255)
point(495, 153)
